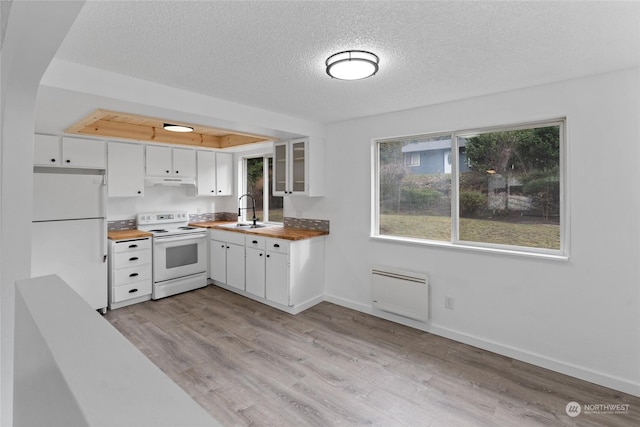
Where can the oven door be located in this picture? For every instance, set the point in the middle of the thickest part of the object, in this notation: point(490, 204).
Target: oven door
point(179, 256)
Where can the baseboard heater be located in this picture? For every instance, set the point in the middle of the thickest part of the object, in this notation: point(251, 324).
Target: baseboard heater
point(404, 293)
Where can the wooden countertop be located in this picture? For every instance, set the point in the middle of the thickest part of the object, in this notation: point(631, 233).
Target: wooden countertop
point(277, 232)
point(127, 234)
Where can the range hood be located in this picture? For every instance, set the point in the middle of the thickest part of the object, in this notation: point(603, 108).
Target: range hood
point(168, 181)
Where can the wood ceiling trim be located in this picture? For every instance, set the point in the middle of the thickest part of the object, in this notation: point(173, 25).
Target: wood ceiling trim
point(130, 126)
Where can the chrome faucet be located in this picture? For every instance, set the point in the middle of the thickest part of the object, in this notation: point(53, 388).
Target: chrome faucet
point(253, 205)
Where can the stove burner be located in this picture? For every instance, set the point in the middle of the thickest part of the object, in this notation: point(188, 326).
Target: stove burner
point(186, 228)
point(158, 231)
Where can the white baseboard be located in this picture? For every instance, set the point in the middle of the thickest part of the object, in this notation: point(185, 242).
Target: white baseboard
point(582, 373)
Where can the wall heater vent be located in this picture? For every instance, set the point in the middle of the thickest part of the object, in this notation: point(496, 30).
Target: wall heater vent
point(404, 293)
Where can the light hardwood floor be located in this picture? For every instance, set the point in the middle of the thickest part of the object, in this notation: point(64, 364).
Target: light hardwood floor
point(249, 364)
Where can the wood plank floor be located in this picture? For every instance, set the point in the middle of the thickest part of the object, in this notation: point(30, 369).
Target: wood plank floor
point(251, 365)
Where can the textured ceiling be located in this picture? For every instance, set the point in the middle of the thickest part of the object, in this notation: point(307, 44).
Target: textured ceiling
point(271, 54)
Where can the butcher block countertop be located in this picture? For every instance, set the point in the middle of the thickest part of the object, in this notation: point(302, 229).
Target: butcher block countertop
point(275, 231)
point(127, 234)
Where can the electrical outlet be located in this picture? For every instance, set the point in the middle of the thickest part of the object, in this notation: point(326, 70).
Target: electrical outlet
point(448, 302)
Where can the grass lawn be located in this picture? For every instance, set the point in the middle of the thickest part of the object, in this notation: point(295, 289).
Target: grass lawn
point(476, 230)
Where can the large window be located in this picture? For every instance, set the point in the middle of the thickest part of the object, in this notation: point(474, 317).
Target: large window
point(257, 180)
point(499, 188)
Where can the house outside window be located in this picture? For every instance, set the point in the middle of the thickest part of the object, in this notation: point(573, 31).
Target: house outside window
point(412, 159)
point(498, 188)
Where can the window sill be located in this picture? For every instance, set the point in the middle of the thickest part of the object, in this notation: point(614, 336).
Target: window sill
point(470, 248)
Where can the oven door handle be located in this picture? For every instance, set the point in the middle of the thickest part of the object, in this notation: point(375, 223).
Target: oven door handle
point(170, 239)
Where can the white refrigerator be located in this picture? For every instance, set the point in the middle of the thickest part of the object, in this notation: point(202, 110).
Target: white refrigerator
point(69, 234)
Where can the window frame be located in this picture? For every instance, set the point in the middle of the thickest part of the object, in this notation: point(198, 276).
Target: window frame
point(559, 254)
point(267, 185)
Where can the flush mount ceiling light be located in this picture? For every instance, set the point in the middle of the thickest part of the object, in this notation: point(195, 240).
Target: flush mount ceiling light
point(352, 65)
point(176, 128)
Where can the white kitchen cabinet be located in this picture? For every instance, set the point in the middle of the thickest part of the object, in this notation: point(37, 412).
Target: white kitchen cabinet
point(255, 265)
point(47, 150)
point(130, 272)
point(214, 174)
point(298, 167)
point(206, 173)
point(184, 162)
point(164, 161)
point(224, 174)
point(83, 153)
point(227, 259)
point(125, 169)
point(277, 278)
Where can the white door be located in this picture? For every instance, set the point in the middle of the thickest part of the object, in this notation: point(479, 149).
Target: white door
point(256, 272)
point(277, 278)
point(184, 162)
point(206, 173)
point(235, 265)
point(224, 174)
point(218, 261)
point(158, 160)
point(85, 153)
point(46, 150)
point(126, 169)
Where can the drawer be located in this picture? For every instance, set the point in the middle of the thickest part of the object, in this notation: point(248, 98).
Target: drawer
point(227, 236)
point(255, 242)
point(132, 245)
point(132, 290)
point(277, 245)
point(131, 258)
point(125, 276)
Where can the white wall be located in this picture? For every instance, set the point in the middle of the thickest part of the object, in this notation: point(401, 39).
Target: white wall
point(25, 55)
point(580, 316)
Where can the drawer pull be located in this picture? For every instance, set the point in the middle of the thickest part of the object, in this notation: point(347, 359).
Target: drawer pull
point(133, 275)
point(275, 245)
point(133, 258)
point(255, 242)
point(134, 290)
point(133, 246)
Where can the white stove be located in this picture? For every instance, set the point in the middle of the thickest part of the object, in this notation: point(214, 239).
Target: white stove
point(179, 252)
point(167, 224)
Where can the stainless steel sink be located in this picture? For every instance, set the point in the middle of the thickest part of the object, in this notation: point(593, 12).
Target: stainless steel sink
point(244, 225)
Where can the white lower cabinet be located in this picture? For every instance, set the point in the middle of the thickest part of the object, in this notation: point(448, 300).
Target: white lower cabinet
point(130, 279)
point(288, 275)
point(226, 263)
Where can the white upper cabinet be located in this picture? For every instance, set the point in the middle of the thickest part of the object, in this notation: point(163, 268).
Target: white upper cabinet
point(215, 173)
point(184, 162)
point(224, 174)
point(164, 161)
point(206, 177)
point(125, 172)
point(69, 152)
point(298, 167)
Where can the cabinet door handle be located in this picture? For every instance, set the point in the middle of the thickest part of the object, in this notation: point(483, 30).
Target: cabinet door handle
point(133, 246)
point(213, 191)
point(68, 161)
point(168, 171)
point(133, 275)
point(260, 253)
point(177, 171)
point(268, 256)
point(53, 160)
point(132, 291)
point(222, 246)
point(139, 192)
point(133, 258)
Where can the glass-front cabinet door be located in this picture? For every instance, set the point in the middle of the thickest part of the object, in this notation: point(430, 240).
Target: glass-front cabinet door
point(280, 169)
point(298, 179)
